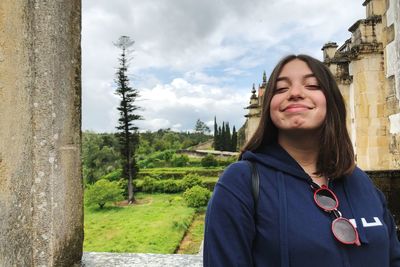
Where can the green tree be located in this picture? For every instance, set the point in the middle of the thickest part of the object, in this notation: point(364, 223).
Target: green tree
point(100, 155)
point(222, 136)
point(215, 133)
point(209, 161)
point(201, 127)
point(127, 131)
point(179, 160)
point(102, 192)
point(227, 138)
point(234, 139)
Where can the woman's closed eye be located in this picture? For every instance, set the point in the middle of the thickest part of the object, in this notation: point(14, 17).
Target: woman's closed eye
point(282, 89)
point(313, 86)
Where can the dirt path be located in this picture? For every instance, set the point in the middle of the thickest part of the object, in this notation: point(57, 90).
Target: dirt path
point(191, 242)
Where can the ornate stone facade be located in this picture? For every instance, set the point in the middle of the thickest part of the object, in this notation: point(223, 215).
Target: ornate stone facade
point(253, 116)
point(367, 68)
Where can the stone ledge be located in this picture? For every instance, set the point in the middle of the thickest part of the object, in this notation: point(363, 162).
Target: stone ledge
point(106, 259)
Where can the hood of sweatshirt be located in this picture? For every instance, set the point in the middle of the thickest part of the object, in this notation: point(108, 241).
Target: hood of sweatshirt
point(276, 157)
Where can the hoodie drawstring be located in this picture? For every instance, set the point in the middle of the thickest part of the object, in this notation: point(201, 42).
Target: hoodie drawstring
point(283, 230)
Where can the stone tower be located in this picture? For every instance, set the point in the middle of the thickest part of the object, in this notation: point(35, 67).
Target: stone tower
point(367, 69)
point(255, 107)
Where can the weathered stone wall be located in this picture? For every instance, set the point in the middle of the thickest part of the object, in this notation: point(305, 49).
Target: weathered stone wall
point(252, 124)
point(392, 63)
point(372, 142)
point(367, 67)
point(41, 222)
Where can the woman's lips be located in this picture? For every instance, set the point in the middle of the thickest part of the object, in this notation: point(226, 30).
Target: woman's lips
point(296, 108)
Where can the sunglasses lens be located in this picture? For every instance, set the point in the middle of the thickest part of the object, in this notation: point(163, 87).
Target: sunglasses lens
point(344, 231)
point(326, 199)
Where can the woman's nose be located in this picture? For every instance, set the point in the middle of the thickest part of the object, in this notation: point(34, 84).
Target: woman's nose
point(296, 91)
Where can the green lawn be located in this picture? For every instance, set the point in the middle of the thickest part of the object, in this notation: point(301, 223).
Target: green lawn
point(155, 225)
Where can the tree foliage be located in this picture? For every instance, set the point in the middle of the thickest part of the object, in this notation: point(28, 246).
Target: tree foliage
point(223, 139)
point(127, 132)
point(201, 127)
point(209, 161)
point(102, 192)
point(100, 155)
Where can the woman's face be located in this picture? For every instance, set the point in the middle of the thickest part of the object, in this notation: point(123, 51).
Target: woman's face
point(298, 102)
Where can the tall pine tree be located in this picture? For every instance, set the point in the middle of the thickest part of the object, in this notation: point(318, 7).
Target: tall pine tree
point(215, 133)
point(234, 139)
point(127, 132)
point(219, 138)
point(227, 138)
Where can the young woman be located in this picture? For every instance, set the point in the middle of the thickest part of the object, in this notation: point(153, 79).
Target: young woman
point(315, 207)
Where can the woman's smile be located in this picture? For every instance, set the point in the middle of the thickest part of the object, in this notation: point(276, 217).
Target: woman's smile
point(295, 108)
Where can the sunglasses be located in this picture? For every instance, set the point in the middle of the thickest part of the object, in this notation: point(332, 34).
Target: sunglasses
point(343, 230)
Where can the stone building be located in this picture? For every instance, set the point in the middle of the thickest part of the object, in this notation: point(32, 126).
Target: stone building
point(253, 116)
point(367, 68)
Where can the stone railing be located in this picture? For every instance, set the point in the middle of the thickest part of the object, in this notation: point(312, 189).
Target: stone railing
point(105, 259)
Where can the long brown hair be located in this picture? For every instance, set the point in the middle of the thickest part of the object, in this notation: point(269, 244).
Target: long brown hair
point(336, 155)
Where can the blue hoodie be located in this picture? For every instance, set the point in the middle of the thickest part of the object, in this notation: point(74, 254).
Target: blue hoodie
point(288, 228)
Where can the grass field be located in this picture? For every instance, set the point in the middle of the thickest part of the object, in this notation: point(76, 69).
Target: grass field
point(156, 224)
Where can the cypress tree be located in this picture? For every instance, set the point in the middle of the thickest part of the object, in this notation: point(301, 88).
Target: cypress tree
point(219, 138)
point(227, 139)
point(215, 133)
point(222, 136)
point(234, 139)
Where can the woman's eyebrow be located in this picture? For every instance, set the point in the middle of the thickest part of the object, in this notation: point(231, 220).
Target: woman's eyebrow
point(309, 75)
point(284, 78)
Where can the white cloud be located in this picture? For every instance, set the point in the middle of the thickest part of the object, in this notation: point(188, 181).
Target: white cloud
point(179, 104)
point(215, 46)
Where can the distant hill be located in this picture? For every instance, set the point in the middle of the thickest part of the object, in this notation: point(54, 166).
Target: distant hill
point(207, 145)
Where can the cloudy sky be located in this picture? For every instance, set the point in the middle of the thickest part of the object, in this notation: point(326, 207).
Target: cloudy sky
point(197, 59)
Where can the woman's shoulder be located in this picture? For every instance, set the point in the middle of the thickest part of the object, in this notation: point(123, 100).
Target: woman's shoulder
point(236, 175)
point(237, 170)
point(359, 176)
point(361, 180)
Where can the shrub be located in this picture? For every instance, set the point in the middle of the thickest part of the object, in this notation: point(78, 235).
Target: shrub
point(209, 184)
point(170, 186)
point(197, 196)
point(209, 161)
point(179, 160)
point(191, 180)
point(149, 184)
point(102, 192)
point(226, 161)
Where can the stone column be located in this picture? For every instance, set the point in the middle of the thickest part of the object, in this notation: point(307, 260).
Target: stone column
point(41, 210)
